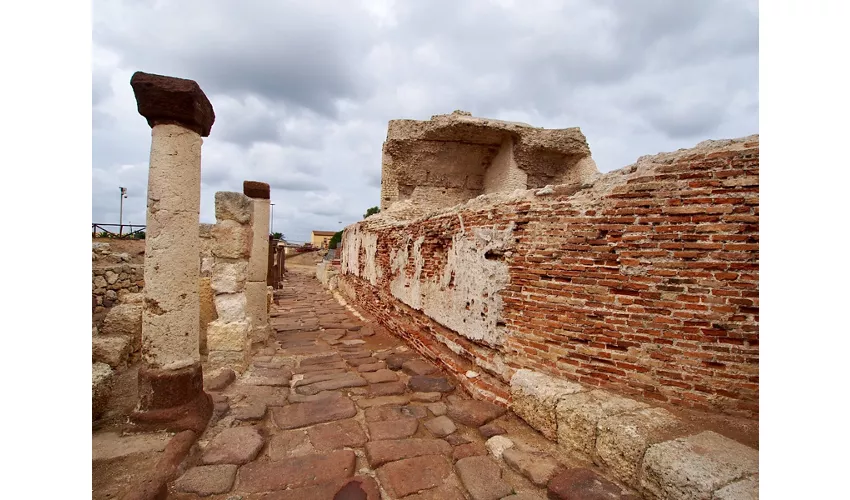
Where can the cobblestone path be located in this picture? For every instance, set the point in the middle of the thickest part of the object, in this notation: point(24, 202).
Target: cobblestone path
point(335, 408)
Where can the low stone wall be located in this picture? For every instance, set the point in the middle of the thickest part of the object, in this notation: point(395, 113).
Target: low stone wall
point(110, 283)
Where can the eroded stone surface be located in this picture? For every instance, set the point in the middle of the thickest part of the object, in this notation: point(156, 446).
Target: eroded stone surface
point(440, 426)
point(237, 445)
point(578, 414)
point(474, 413)
point(695, 466)
point(534, 397)
point(482, 478)
point(314, 412)
point(575, 484)
point(337, 435)
point(538, 468)
point(207, 480)
point(381, 452)
point(305, 470)
point(393, 429)
point(411, 475)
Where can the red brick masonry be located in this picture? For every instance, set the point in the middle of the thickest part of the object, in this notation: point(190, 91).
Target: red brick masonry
point(646, 284)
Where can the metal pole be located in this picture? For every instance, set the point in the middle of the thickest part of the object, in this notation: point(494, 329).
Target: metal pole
point(121, 214)
point(272, 204)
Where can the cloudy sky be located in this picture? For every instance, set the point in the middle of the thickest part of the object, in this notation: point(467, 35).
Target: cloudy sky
point(303, 91)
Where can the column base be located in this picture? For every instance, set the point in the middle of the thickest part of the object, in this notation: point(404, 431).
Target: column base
point(172, 400)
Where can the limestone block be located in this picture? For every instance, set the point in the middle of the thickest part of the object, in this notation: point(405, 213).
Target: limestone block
point(237, 360)
point(101, 388)
point(126, 320)
point(256, 293)
point(229, 277)
point(622, 440)
point(745, 489)
point(578, 414)
point(497, 445)
point(231, 307)
point(227, 336)
point(207, 311)
point(534, 397)
point(696, 466)
point(111, 277)
point(232, 240)
point(113, 351)
point(133, 298)
point(233, 206)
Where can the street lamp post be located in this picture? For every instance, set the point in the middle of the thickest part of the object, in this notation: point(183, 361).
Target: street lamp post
point(121, 211)
point(272, 205)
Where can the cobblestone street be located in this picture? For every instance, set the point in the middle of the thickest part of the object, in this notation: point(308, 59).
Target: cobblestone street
point(336, 408)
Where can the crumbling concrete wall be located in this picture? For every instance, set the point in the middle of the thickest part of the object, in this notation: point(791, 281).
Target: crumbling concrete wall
point(643, 280)
point(450, 159)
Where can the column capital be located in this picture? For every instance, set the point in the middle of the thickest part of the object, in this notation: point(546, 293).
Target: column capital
point(165, 99)
point(255, 189)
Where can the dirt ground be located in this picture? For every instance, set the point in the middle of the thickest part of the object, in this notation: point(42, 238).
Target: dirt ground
point(134, 248)
point(304, 259)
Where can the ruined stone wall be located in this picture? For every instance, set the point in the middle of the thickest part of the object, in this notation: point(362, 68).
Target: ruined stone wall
point(644, 281)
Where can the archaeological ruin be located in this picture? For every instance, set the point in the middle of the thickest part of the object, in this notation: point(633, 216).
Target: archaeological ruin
point(513, 324)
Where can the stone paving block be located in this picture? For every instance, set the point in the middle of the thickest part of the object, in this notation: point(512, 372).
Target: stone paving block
point(320, 360)
point(250, 412)
point(440, 426)
point(473, 449)
point(337, 435)
point(339, 367)
point(312, 378)
point(265, 376)
point(575, 484)
point(490, 430)
point(457, 439)
point(442, 492)
point(622, 440)
point(578, 414)
point(396, 360)
point(207, 480)
point(438, 408)
point(287, 444)
point(426, 397)
point(306, 470)
point(524, 496)
point(313, 412)
point(482, 478)
point(237, 445)
point(379, 376)
point(371, 367)
point(425, 383)
point(387, 389)
point(381, 452)
point(474, 413)
point(538, 468)
point(411, 475)
point(382, 401)
point(394, 412)
point(393, 429)
point(745, 489)
point(349, 380)
point(534, 397)
point(695, 466)
point(497, 445)
point(418, 366)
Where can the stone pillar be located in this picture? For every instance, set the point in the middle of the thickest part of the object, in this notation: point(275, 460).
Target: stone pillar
point(258, 266)
point(171, 394)
point(228, 340)
point(205, 287)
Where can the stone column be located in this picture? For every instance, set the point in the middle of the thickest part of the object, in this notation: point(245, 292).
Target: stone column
point(258, 266)
point(170, 380)
point(228, 340)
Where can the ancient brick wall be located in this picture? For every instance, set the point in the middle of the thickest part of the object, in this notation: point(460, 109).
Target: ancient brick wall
point(645, 282)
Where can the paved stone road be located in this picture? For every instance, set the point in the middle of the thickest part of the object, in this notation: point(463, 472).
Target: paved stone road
point(337, 409)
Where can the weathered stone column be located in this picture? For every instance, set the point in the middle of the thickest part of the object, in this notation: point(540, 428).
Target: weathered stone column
point(228, 340)
point(258, 266)
point(171, 392)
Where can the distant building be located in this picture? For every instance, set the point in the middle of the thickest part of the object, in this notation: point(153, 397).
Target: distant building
point(320, 239)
